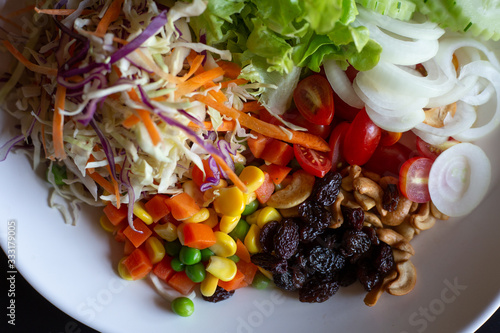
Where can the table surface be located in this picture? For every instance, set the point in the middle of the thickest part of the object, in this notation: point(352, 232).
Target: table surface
point(33, 309)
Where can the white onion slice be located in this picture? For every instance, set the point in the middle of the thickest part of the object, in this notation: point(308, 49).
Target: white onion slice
point(431, 139)
point(462, 88)
point(482, 97)
point(396, 124)
point(341, 85)
point(166, 291)
point(459, 179)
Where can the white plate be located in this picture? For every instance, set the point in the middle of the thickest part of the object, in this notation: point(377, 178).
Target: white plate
point(458, 284)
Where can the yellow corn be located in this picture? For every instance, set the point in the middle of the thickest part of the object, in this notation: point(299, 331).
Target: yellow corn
point(253, 177)
point(213, 219)
point(180, 233)
point(140, 212)
point(167, 231)
point(201, 216)
point(225, 245)
point(266, 273)
point(228, 223)
point(155, 250)
point(252, 218)
point(123, 271)
point(222, 268)
point(230, 201)
point(252, 239)
point(106, 224)
point(249, 197)
point(209, 285)
point(268, 214)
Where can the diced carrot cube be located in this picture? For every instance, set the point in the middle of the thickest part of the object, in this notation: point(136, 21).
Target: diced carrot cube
point(163, 269)
point(138, 264)
point(115, 215)
point(157, 208)
point(138, 237)
point(182, 283)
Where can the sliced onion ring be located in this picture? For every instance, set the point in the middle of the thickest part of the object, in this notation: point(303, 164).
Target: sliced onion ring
point(397, 124)
point(459, 179)
point(341, 84)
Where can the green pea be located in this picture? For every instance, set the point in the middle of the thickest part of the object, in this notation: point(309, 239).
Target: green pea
point(177, 265)
point(238, 168)
point(240, 231)
point(183, 306)
point(234, 258)
point(196, 272)
point(250, 208)
point(206, 254)
point(59, 173)
point(260, 281)
point(173, 248)
point(189, 256)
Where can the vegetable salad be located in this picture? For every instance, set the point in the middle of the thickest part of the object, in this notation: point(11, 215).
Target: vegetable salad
point(177, 118)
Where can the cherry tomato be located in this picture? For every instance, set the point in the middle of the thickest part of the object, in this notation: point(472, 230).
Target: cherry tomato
point(387, 160)
point(389, 138)
point(361, 139)
point(312, 161)
point(313, 96)
point(414, 179)
point(197, 175)
point(351, 73)
point(344, 111)
point(433, 151)
point(336, 143)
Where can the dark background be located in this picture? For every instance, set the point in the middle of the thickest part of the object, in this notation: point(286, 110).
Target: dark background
point(35, 314)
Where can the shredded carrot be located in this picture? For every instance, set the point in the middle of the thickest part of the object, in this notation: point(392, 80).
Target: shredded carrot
point(131, 121)
point(58, 123)
point(238, 82)
point(111, 15)
point(21, 11)
point(216, 94)
point(195, 66)
point(302, 138)
point(115, 39)
point(115, 188)
point(61, 12)
point(14, 24)
point(31, 66)
point(227, 125)
point(198, 81)
point(231, 69)
point(91, 159)
point(105, 184)
point(145, 116)
point(157, 70)
point(234, 177)
point(252, 107)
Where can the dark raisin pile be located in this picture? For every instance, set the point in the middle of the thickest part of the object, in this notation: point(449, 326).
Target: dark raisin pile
point(304, 255)
point(220, 294)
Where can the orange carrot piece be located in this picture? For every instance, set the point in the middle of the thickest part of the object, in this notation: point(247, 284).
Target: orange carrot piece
point(156, 207)
point(150, 126)
point(242, 251)
point(234, 283)
point(227, 125)
point(216, 94)
point(276, 172)
point(302, 138)
point(128, 247)
point(252, 107)
point(234, 177)
point(258, 144)
point(182, 206)
point(182, 283)
point(231, 69)
point(238, 82)
point(119, 236)
point(163, 270)
point(115, 215)
point(265, 190)
point(198, 236)
point(198, 81)
point(61, 12)
point(195, 65)
point(129, 122)
point(29, 65)
point(111, 15)
point(141, 235)
point(58, 123)
point(138, 264)
point(248, 269)
point(105, 184)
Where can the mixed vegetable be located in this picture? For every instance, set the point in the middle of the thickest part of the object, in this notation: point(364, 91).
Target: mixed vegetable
point(207, 128)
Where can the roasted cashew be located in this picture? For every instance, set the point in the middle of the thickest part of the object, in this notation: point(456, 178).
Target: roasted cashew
point(338, 217)
point(414, 207)
point(372, 175)
point(437, 214)
point(397, 216)
point(395, 240)
point(423, 220)
point(400, 256)
point(368, 187)
point(295, 193)
point(373, 296)
point(435, 116)
point(373, 220)
point(406, 230)
point(349, 200)
point(354, 171)
point(384, 181)
point(364, 201)
point(406, 280)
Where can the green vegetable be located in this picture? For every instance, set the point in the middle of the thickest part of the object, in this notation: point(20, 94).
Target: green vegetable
point(238, 167)
point(173, 248)
point(206, 254)
point(241, 230)
point(250, 208)
point(196, 272)
point(177, 265)
point(398, 9)
point(260, 281)
point(183, 306)
point(59, 173)
point(189, 256)
point(234, 258)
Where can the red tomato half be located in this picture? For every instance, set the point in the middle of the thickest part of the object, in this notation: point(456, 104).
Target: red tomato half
point(312, 161)
point(387, 160)
point(433, 151)
point(313, 96)
point(414, 179)
point(336, 143)
point(389, 138)
point(361, 139)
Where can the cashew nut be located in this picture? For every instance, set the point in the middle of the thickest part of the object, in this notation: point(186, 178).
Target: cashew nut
point(435, 116)
point(400, 256)
point(336, 210)
point(372, 175)
point(395, 240)
point(373, 220)
point(406, 280)
point(397, 216)
point(364, 201)
point(437, 214)
point(354, 172)
point(290, 212)
point(295, 193)
point(368, 187)
point(414, 207)
point(349, 200)
point(373, 296)
point(423, 220)
point(406, 230)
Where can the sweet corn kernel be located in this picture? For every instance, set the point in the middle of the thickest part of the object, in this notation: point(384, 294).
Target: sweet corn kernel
point(155, 250)
point(106, 224)
point(202, 215)
point(249, 197)
point(225, 245)
point(222, 268)
point(180, 233)
point(213, 219)
point(253, 177)
point(140, 212)
point(266, 273)
point(252, 239)
point(230, 201)
point(167, 231)
point(228, 223)
point(268, 214)
point(252, 218)
point(209, 285)
point(123, 271)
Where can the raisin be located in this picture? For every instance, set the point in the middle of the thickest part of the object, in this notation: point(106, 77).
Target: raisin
point(383, 259)
point(291, 280)
point(306, 233)
point(326, 189)
point(325, 260)
point(355, 242)
point(330, 238)
point(372, 234)
point(315, 291)
point(286, 239)
point(220, 294)
point(390, 199)
point(353, 218)
point(270, 262)
point(367, 275)
point(348, 275)
point(315, 215)
point(266, 236)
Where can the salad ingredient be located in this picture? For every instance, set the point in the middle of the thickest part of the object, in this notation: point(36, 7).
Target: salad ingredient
point(459, 179)
point(414, 179)
point(326, 189)
point(196, 272)
point(138, 234)
point(225, 246)
point(265, 191)
point(299, 189)
point(198, 236)
point(156, 207)
point(235, 283)
point(183, 306)
point(219, 295)
point(155, 250)
point(406, 280)
point(314, 162)
point(138, 264)
point(313, 97)
point(387, 160)
point(189, 255)
point(361, 139)
point(277, 152)
point(182, 283)
point(336, 143)
point(222, 268)
point(402, 10)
